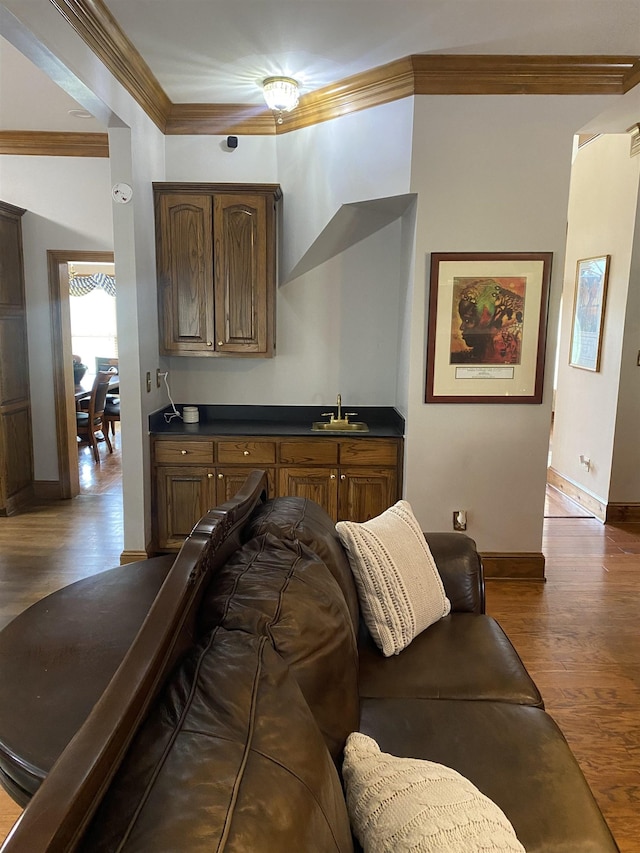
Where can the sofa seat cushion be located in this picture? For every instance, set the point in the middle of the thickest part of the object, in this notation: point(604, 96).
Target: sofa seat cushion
point(307, 521)
point(229, 759)
point(462, 656)
point(515, 754)
point(280, 589)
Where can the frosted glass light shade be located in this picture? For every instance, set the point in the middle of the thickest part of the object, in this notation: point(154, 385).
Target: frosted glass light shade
point(281, 93)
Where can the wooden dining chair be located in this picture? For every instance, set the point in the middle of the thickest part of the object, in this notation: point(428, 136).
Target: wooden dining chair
point(112, 412)
point(92, 421)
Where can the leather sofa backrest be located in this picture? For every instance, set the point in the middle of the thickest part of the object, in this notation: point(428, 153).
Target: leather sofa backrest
point(299, 518)
point(229, 759)
point(280, 589)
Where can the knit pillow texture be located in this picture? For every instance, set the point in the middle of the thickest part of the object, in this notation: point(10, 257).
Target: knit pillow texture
point(398, 805)
point(398, 583)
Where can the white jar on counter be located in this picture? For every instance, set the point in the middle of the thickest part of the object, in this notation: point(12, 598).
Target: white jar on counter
point(190, 414)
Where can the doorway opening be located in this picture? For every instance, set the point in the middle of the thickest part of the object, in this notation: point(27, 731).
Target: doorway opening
point(63, 267)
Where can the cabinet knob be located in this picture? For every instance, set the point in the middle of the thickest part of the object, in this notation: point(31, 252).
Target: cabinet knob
point(209, 476)
point(220, 343)
point(332, 476)
point(245, 452)
point(184, 452)
point(209, 343)
point(221, 476)
point(343, 476)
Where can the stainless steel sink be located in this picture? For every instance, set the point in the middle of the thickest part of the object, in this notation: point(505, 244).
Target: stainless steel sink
point(342, 426)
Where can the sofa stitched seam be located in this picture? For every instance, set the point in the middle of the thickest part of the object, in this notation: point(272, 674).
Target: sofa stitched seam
point(226, 829)
point(176, 731)
point(276, 616)
point(296, 776)
point(238, 578)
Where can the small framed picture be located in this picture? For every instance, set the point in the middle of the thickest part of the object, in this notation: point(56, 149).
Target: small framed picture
point(487, 327)
point(592, 275)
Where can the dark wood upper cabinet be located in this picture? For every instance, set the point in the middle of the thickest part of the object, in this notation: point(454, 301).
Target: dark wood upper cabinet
point(216, 259)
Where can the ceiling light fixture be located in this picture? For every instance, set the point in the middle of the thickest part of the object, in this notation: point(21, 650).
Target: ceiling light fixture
point(281, 94)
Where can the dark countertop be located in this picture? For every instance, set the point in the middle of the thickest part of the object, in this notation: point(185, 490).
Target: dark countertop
point(383, 421)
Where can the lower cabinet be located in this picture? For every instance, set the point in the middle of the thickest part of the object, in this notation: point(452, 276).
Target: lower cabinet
point(182, 496)
point(352, 479)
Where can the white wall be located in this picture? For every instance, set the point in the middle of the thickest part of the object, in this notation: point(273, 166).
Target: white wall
point(68, 206)
point(592, 409)
point(365, 155)
point(338, 326)
point(207, 158)
point(492, 174)
point(336, 329)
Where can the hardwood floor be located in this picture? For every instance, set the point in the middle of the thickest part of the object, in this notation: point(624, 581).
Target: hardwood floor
point(55, 544)
point(577, 633)
point(578, 636)
point(60, 542)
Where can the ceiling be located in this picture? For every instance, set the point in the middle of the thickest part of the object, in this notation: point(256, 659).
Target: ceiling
point(218, 51)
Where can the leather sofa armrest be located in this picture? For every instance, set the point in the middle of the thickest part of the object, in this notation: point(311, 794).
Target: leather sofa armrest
point(461, 570)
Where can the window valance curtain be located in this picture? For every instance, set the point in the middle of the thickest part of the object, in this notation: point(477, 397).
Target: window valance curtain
point(80, 285)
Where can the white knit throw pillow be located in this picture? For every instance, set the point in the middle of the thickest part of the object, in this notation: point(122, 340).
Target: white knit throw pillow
point(398, 583)
point(398, 805)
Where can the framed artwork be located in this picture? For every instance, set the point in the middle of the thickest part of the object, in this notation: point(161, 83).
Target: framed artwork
point(487, 327)
point(592, 275)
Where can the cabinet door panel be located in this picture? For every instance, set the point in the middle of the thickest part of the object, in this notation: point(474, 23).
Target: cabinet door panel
point(185, 272)
point(316, 484)
point(184, 495)
point(239, 227)
point(229, 480)
point(366, 493)
point(15, 444)
point(14, 377)
point(11, 280)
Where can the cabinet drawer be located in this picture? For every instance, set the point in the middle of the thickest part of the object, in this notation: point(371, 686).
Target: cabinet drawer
point(186, 452)
point(320, 452)
point(247, 451)
point(370, 451)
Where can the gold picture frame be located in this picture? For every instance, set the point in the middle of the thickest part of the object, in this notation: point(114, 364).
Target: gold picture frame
point(590, 296)
point(487, 327)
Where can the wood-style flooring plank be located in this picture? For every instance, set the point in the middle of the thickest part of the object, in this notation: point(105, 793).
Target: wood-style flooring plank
point(577, 634)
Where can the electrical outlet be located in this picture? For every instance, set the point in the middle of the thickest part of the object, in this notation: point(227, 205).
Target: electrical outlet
point(460, 519)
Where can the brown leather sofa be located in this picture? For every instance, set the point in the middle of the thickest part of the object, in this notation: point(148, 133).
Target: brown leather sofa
point(237, 744)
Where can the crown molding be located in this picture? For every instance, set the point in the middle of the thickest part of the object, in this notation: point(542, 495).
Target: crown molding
point(633, 77)
point(422, 74)
point(54, 144)
point(371, 88)
point(452, 74)
point(220, 120)
point(634, 149)
point(95, 24)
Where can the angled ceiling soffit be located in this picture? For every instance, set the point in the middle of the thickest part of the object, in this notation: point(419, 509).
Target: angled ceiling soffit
point(352, 223)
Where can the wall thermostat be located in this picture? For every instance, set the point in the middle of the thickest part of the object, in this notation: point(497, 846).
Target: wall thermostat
point(121, 193)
